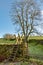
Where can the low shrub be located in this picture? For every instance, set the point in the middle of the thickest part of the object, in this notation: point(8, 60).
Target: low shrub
point(2, 58)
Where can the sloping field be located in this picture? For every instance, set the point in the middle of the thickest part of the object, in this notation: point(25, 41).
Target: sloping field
point(6, 42)
point(36, 37)
point(3, 41)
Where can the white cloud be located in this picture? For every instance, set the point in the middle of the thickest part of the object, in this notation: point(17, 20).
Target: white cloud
point(42, 13)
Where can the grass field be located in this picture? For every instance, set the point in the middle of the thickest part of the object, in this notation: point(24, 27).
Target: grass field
point(35, 50)
point(3, 41)
point(36, 37)
point(31, 37)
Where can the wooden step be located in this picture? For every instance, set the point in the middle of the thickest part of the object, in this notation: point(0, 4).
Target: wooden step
point(14, 53)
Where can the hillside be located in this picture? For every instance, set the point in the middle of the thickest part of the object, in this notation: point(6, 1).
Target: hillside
point(36, 37)
point(31, 38)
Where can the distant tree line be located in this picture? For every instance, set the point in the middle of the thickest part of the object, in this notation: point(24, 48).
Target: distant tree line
point(9, 37)
point(14, 37)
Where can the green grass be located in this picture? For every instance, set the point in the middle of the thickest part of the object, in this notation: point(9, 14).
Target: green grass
point(22, 63)
point(3, 41)
point(33, 48)
point(36, 49)
point(36, 37)
point(31, 37)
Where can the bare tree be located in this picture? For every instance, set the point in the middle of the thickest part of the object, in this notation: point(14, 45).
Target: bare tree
point(26, 16)
point(7, 36)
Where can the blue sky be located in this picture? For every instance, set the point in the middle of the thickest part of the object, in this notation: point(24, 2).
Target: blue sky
point(5, 20)
point(6, 25)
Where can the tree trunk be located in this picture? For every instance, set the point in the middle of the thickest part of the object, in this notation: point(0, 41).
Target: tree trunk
point(25, 48)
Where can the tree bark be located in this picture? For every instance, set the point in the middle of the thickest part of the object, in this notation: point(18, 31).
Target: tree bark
point(25, 48)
